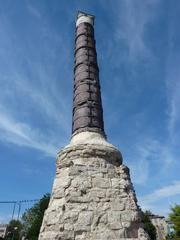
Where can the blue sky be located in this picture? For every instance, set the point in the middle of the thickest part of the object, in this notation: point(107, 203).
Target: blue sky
point(138, 55)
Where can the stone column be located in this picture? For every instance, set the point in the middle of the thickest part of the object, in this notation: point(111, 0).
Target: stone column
point(87, 106)
point(92, 197)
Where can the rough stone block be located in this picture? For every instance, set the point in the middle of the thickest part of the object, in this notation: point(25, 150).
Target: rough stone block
point(92, 198)
point(85, 218)
point(101, 182)
point(114, 216)
point(117, 204)
point(100, 193)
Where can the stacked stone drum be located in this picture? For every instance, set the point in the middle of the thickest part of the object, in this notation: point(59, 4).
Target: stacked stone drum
point(87, 107)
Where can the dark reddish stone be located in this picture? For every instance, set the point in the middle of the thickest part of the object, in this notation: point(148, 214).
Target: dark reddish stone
point(87, 106)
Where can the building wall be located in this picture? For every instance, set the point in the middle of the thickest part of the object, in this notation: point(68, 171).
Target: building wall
point(3, 228)
point(161, 226)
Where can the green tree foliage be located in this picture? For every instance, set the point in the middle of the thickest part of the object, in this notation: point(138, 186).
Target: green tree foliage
point(170, 236)
point(174, 217)
point(148, 226)
point(32, 218)
point(14, 230)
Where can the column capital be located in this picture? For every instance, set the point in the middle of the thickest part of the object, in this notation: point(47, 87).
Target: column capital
point(84, 17)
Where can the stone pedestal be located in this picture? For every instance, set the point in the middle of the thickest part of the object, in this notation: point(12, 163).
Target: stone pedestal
point(93, 197)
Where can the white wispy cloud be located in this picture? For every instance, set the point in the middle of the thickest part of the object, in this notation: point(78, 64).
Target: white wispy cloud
point(172, 76)
point(132, 23)
point(153, 201)
point(35, 85)
point(146, 154)
point(164, 192)
point(173, 97)
point(50, 107)
point(48, 100)
point(139, 166)
point(33, 10)
point(22, 134)
point(22, 93)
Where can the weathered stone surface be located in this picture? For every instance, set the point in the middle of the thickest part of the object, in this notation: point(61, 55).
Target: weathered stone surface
point(93, 197)
point(101, 182)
